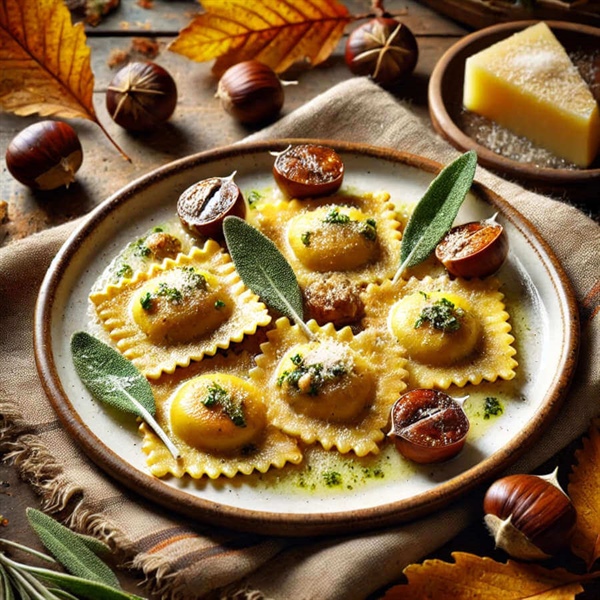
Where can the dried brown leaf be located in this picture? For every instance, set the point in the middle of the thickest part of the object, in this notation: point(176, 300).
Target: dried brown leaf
point(45, 61)
point(584, 490)
point(473, 577)
point(275, 32)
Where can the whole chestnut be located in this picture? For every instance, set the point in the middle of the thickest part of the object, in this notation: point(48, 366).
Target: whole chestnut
point(251, 92)
point(308, 170)
point(529, 516)
point(203, 206)
point(45, 155)
point(382, 48)
point(141, 96)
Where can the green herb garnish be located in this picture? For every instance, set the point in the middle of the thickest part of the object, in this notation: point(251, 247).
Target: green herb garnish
point(172, 294)
point(140, 248)
point(253, 197)
point(219, 304)
point(335, 217)
point(125, 271)
point(492, 407)
point(332, 478)
point(112, 379)
point(442, 315)
point(434, 214)
point(310, 378)
point(305, 238)
point(265, 270)
point(219, 396)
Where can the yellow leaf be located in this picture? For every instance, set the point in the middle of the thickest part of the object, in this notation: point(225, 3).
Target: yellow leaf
point(584, 490)
point(472, 577)
point(275, 32)
point(44, 61)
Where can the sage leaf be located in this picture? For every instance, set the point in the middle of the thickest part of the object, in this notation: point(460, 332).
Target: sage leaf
point(69, 549)
point(435, 212)
point(264, 270)
point(116, 381)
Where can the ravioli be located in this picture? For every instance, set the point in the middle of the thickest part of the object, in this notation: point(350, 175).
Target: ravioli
point(356, 235)
point(454, 331)
point(179, 311)
point(217, 419)
point(336, 388)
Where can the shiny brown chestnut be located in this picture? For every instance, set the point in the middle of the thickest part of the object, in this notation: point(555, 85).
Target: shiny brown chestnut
point(203, 206)
point(45, 155)
point(474, 249)
point(382, 48)
point(428, 426)
point(308, 170)
point(530, 517)
point(251, 92)
point(141, 96)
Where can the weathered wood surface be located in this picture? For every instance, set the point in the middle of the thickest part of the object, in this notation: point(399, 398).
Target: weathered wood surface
point(198, 124)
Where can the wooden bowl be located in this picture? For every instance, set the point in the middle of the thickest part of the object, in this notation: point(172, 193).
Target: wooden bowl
point(446, 108)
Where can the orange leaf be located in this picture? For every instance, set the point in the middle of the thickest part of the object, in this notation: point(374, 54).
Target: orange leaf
point(473, 577)
point(275, 32)
point(45, 61)
point(584, 490)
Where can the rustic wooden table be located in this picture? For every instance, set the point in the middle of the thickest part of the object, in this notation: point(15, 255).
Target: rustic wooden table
point(198, 124)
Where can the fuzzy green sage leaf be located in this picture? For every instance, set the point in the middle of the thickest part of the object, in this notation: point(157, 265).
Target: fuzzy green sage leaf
point(264, 270)
point(435, 212)
point(70, 550)
point(114, 380)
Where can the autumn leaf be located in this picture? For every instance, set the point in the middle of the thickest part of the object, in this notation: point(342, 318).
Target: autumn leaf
point(275, 32)
point(473, 577)
point(45, 62)
point(584, 490)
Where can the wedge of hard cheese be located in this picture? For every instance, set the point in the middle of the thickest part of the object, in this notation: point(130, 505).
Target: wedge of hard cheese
point(528, 84)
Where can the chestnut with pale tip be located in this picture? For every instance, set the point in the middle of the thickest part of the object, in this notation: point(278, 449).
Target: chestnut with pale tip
point(45, 155)
point(529, 516)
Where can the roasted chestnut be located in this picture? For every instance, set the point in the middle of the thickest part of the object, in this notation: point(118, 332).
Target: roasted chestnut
point(45, 155)
point(382, 48)
point(141, 96)
point(529, 516)
point(333, 299)
point(308, 170)
point(251, 92)
point(203, 206)
point(474, 249)
point(428, 426)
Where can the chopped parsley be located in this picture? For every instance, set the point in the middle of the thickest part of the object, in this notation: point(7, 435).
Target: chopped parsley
point(146, 301)
point(312, 377)
point(219, 304)
point(366, 228)
point(219, 396)
point(253, 197)
point(140, 248)
point(172, 294)
point(305, 238)
point(335, 217)
point(442, 315)
point(125, 271)
point(492, 407)
point(332, 478)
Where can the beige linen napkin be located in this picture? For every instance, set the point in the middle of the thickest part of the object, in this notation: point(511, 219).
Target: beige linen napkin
point(189, 560)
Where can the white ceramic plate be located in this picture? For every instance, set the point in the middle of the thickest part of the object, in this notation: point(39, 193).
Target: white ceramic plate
point(373, 492)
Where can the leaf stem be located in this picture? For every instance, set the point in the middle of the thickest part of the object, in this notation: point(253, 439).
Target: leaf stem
point(27, 550)
point(112, 141)
point(149, 419)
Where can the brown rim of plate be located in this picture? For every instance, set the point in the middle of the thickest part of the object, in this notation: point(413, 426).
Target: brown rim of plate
point(290, 524)
point(445, 99)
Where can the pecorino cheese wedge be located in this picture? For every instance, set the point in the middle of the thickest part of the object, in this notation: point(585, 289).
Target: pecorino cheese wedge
point(528, 84)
